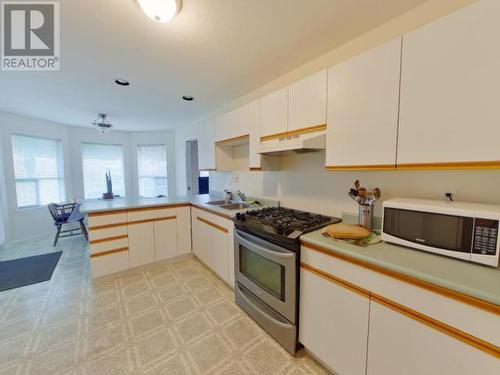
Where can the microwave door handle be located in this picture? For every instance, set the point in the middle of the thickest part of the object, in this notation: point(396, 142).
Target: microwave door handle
point(270, 253)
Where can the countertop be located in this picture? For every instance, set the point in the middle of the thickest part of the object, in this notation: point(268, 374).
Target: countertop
point(471, 279)
point(129, 203)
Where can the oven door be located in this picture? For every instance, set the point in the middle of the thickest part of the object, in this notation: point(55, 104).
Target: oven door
point(268, 271)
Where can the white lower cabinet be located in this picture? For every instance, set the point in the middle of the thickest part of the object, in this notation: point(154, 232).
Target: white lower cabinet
point(165, 236)
point(219, 256)
point(334, 323)
point(401, 345)
point(141, 243)
point(183, 230)
point(213, 243)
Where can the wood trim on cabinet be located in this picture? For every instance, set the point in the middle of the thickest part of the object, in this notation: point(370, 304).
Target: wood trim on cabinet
point(107, 226)
point(345, 284)
point(136, 209)
point(451, 165)
point(109, 252)
point(440, 326)
point(152, 220)
point(375, 167)
point(469, 300)
point(222, 229)
point(255, 169)
point(234, 139)
point(225, 216)
point(310, 129)
point(109, 239)
point(208, 170)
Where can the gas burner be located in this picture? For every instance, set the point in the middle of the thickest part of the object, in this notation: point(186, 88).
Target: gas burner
point(283, 225)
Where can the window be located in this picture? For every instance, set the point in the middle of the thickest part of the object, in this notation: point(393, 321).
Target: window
point(152, 164)
point(98, 159)
point(38, 170)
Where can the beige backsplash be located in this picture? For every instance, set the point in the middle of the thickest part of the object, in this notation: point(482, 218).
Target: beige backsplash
point(303, 183)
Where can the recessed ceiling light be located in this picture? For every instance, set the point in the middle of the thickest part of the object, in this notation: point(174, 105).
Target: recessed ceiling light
point(160, 10)
point(122, 82)
point(188, 98)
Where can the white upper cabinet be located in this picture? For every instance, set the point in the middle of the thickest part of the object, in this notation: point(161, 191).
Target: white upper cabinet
point(449, 89)
point(363, 95)
point(274, 113)
point(239, 122)
point(254, 159)
point(206, 145)
point(308, 102)
point(222, 127)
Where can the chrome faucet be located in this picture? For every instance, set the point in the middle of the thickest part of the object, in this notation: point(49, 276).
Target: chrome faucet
point(242, 196)
point(228, 196)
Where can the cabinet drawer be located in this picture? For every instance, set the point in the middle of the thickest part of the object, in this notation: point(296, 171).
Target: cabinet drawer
point(151, 214)
point(100, 234)
point(107, 264)
point(108, 219)
point(105, 246)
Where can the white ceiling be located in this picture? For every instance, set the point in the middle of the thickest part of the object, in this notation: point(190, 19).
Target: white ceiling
point(215, 50)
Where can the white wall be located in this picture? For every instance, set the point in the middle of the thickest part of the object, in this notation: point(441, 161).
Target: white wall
point(33, 222)
point(304, 183)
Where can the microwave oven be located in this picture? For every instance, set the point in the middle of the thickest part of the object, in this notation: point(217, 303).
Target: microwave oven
point(467, 231)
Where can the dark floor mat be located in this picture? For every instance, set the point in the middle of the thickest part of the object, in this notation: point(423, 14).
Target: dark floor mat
point(26, 271)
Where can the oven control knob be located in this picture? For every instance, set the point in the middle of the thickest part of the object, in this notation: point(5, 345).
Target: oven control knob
point(243, 217)
point(238, 216)
point(280, 229)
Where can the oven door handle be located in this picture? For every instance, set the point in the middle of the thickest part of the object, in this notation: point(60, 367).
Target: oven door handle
point(285, 254)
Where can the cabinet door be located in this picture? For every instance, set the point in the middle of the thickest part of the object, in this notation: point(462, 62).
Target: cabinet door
point(254, 131)
point(308, 102)
point(195, 232)
point(141, 244)
point(219, 256)
point(222, 127)
point(334, 324)
point(204, 233)
point(239, 122)
point(183, 230)
point(165, 234)
point(449, 89)
point(210, 144)
point(363, 109)
point(274, 113)
point(401, 345)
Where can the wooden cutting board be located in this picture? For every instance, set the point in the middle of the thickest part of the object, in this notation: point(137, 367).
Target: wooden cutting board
point(346, 231)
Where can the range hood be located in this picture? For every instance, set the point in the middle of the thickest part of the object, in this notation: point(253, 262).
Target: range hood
point(294, 144)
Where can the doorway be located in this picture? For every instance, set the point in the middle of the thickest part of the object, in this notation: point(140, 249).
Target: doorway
point(192, 169)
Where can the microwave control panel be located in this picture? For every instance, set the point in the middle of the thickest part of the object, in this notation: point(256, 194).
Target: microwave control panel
point(485, 236)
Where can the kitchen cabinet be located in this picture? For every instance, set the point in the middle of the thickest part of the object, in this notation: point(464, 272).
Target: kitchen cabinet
point(232, 124)
point(334, 323)
point(165, 239)
point(398, 344)
point(308, 102)
point(213, 243)
point(254, 158)
point(206, 145)
point(141, 243)
point(183, 223)
point(449, 114)
point(363, 95)
point(274, 113)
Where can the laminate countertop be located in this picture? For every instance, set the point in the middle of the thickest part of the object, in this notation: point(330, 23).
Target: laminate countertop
point(470, 279)
point(136, 202)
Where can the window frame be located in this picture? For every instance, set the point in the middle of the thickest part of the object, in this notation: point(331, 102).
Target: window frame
point(139, 176)
point(60, 172)
point(122, 161)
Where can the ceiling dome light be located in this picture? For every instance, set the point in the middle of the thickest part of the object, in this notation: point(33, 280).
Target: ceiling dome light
point(160, 10)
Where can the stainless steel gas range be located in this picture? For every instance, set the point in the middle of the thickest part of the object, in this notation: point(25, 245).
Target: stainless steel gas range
point(267, 256)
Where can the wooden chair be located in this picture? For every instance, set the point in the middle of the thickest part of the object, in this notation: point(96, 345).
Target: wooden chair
point(67, 214)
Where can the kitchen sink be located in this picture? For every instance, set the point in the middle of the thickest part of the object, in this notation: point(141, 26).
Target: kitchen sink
point(235, 206)
point(218, 203)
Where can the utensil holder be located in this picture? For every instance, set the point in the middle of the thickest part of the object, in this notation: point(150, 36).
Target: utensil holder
point(365, 216)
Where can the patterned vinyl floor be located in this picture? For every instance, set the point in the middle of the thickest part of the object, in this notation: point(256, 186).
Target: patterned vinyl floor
point(173, 317)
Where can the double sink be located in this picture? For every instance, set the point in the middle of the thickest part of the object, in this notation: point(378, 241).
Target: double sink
point(230, 205)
